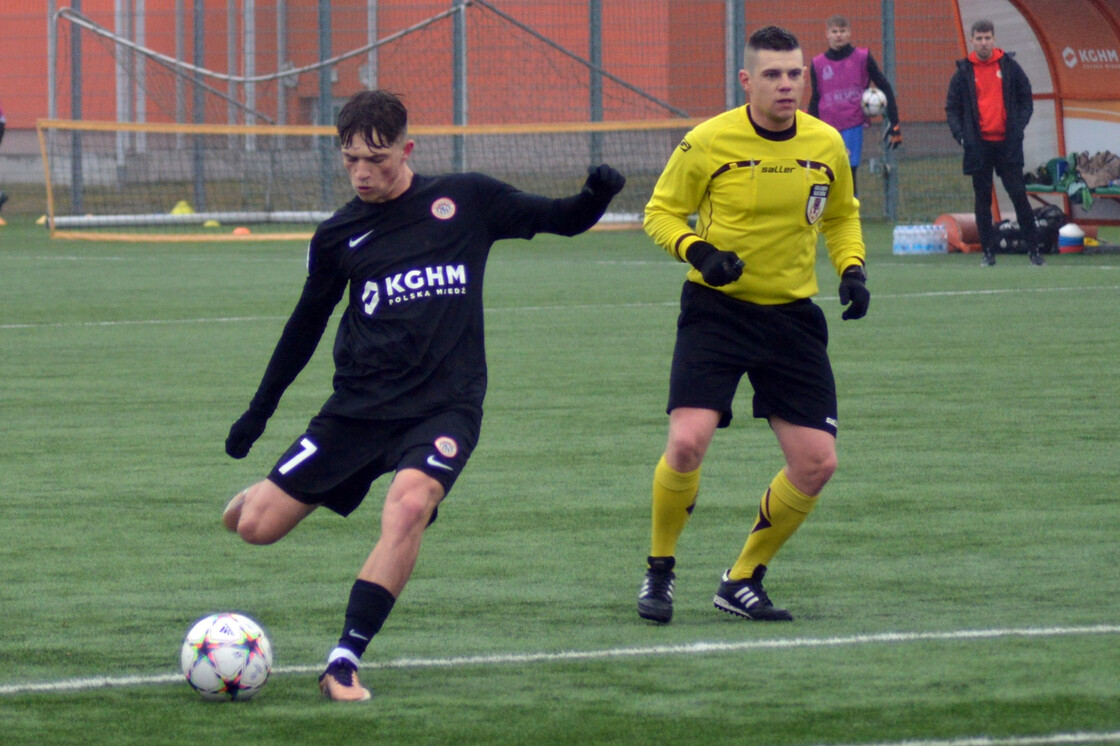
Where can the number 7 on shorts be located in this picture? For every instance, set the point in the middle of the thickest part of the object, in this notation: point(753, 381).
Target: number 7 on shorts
point(308, 450)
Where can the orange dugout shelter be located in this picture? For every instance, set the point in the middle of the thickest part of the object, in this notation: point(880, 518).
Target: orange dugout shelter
point(1070, 50)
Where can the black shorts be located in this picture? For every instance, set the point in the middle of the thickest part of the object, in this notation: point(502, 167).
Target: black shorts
point(338, 458)
point(783, 350)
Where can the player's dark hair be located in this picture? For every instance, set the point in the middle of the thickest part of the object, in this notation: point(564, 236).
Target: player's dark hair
point(837, 22)
point(378, 117)
point(773, 38)
point(983, 26)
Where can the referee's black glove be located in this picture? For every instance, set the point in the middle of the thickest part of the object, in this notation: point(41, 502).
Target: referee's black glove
point(717, 267)
point(603, 182)
point(245, 432)
point(853, 289)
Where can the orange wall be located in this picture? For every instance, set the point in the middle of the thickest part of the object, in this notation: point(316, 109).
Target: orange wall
point(672, 49)
point(695, 61)
point(23, 96)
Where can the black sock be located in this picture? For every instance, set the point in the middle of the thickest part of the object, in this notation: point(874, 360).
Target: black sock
point(367, 610)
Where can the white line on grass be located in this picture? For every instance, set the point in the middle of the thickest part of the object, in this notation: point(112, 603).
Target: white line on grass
point(999, 291)
point(295, 259)
point(693, 648)
point(523, 309)
point(142, 322)
point(1054, 738)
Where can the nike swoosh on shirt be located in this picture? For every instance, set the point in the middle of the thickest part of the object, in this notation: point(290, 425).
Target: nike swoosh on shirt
point(432, 461)
point(355, 241)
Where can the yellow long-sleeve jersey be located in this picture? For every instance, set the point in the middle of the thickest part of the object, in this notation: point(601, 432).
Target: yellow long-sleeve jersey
point(765, 197)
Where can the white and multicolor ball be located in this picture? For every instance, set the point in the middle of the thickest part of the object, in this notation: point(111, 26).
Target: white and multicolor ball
point(226, 657)
point(873, 102)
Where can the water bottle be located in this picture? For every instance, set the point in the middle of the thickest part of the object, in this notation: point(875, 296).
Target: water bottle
point(942, 236)
point(906, 238)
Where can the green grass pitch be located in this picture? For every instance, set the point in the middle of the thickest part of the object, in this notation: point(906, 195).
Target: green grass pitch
point(959, 579)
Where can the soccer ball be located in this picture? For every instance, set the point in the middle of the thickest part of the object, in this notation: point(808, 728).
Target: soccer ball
point(873, 102)
point(226, 657)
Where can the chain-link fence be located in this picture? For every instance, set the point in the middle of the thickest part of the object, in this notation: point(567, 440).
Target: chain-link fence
point(469, 62)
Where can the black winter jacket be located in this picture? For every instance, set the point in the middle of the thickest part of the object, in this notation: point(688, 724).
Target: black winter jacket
point(963, 112)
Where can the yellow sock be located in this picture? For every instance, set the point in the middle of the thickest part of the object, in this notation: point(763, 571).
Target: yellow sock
point(674, 495)
point(783, 509)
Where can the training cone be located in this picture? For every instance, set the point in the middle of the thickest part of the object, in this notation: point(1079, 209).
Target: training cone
point(42, 220)
point(211, 224)
point(1071, 239)
point(3, 222)
point(241, 231)
point(182, 207)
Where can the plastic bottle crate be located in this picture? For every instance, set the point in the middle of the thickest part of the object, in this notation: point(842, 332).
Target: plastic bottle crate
point(920, 239)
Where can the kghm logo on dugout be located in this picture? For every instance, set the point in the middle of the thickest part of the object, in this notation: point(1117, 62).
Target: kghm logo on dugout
point(1092, 58)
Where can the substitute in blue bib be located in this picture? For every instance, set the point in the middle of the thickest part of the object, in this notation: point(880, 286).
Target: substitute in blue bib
point(764, 180)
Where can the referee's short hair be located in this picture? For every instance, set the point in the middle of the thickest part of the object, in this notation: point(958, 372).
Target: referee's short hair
point(773, 38)
point(378, 117)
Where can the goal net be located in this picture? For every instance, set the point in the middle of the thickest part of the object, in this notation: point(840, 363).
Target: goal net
point(143, 144)
point(201, 182)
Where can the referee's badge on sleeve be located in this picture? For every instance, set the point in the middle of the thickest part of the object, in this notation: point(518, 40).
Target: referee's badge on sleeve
point(814, 208)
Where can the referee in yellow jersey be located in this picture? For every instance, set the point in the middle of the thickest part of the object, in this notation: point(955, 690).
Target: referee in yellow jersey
point(763, 180)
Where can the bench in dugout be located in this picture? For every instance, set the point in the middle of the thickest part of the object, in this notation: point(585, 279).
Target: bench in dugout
point(1088, 185)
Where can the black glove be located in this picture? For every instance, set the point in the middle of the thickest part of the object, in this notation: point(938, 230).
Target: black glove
point(853, 289)
point(245, 432)
point(893, 136)
point(716, 267)
point(603, 181)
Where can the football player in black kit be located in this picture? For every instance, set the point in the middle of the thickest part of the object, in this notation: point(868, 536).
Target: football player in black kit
point(410, 368)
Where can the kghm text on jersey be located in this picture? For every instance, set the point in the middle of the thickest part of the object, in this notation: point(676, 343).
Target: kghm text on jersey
point(402, 287)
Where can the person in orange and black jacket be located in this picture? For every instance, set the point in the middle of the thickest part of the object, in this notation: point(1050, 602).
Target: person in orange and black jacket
point(988, 107)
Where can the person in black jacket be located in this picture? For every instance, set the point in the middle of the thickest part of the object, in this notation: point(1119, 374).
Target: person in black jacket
point(408, 253)
point(988, 107)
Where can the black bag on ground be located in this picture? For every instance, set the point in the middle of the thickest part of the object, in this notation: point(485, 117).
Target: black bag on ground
point(1009, 238)
point(1049, 219)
